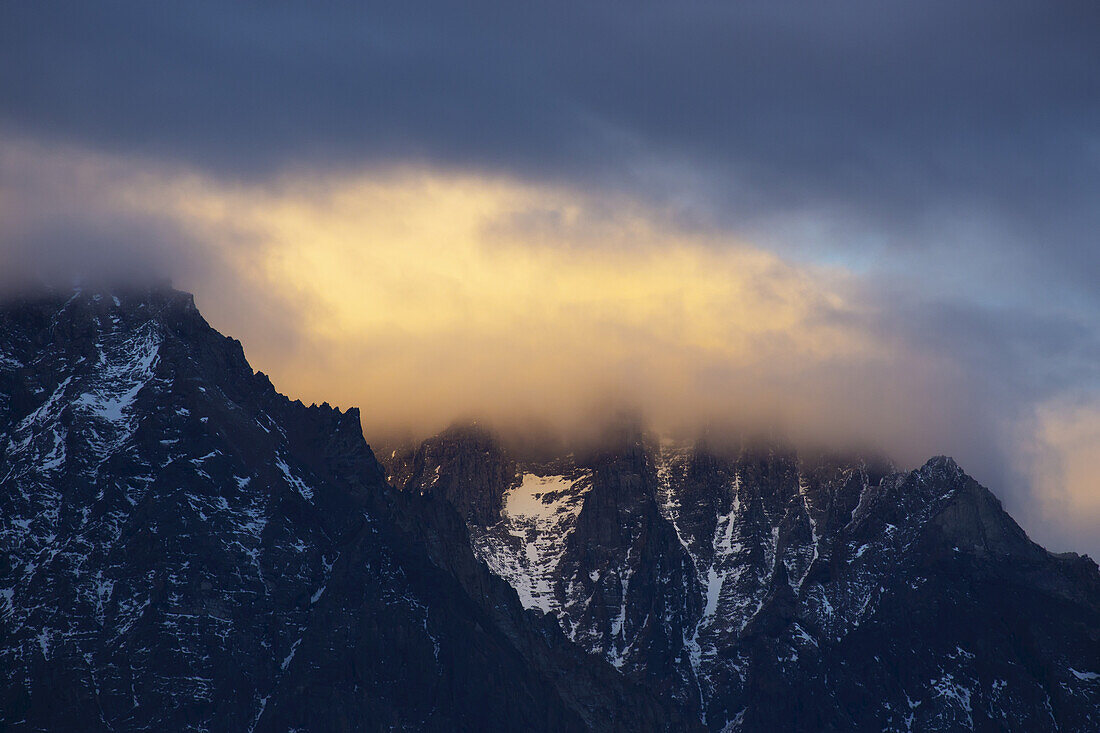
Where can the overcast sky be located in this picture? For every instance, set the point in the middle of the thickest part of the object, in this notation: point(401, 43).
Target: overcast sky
point(872, 219)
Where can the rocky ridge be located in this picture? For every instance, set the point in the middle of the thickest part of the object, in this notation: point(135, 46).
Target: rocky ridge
point(769, 591)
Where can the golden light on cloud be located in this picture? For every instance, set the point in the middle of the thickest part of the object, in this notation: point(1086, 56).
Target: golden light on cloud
point(430, 297)
point(1067, 468)
point(426, 296)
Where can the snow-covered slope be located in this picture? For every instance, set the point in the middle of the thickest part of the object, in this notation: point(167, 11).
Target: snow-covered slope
point(524, 548)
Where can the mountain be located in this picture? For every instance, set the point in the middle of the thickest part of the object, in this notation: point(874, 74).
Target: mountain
point(765, 591)
point(183, 548)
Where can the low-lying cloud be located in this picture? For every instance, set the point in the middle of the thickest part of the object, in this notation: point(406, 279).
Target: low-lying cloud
point(428, 295)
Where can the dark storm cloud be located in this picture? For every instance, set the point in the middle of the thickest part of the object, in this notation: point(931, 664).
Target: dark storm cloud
point(888, 113)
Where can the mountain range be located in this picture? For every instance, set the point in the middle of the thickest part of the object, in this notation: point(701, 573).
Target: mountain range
point(183, 548)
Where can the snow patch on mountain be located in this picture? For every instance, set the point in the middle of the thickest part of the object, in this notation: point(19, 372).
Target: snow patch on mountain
point(526, 545)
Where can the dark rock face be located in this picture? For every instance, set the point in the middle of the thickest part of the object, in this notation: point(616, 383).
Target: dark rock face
point(182, 548)
point(768, 591)
point(464, 465)
point(628, 585)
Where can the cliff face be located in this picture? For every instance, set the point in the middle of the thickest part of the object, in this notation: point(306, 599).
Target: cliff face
point(184, 548)
point(466, 466)
point(769, 591)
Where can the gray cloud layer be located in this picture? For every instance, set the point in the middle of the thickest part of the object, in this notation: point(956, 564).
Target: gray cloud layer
point(886, 106)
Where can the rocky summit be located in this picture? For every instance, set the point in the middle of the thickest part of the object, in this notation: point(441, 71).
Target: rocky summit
point(183, 548)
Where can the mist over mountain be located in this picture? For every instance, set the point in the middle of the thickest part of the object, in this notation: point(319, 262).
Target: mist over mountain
point(185, 548)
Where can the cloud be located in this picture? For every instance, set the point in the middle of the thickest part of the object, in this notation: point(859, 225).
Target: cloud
point(863, 218)
point(1064, 464)
point(860, 129)
point(65, 218)
point(426, 296)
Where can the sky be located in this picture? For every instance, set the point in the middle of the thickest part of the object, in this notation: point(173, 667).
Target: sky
point(859, 223)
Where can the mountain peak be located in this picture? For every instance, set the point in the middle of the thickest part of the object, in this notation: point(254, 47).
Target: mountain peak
point(943, 465)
